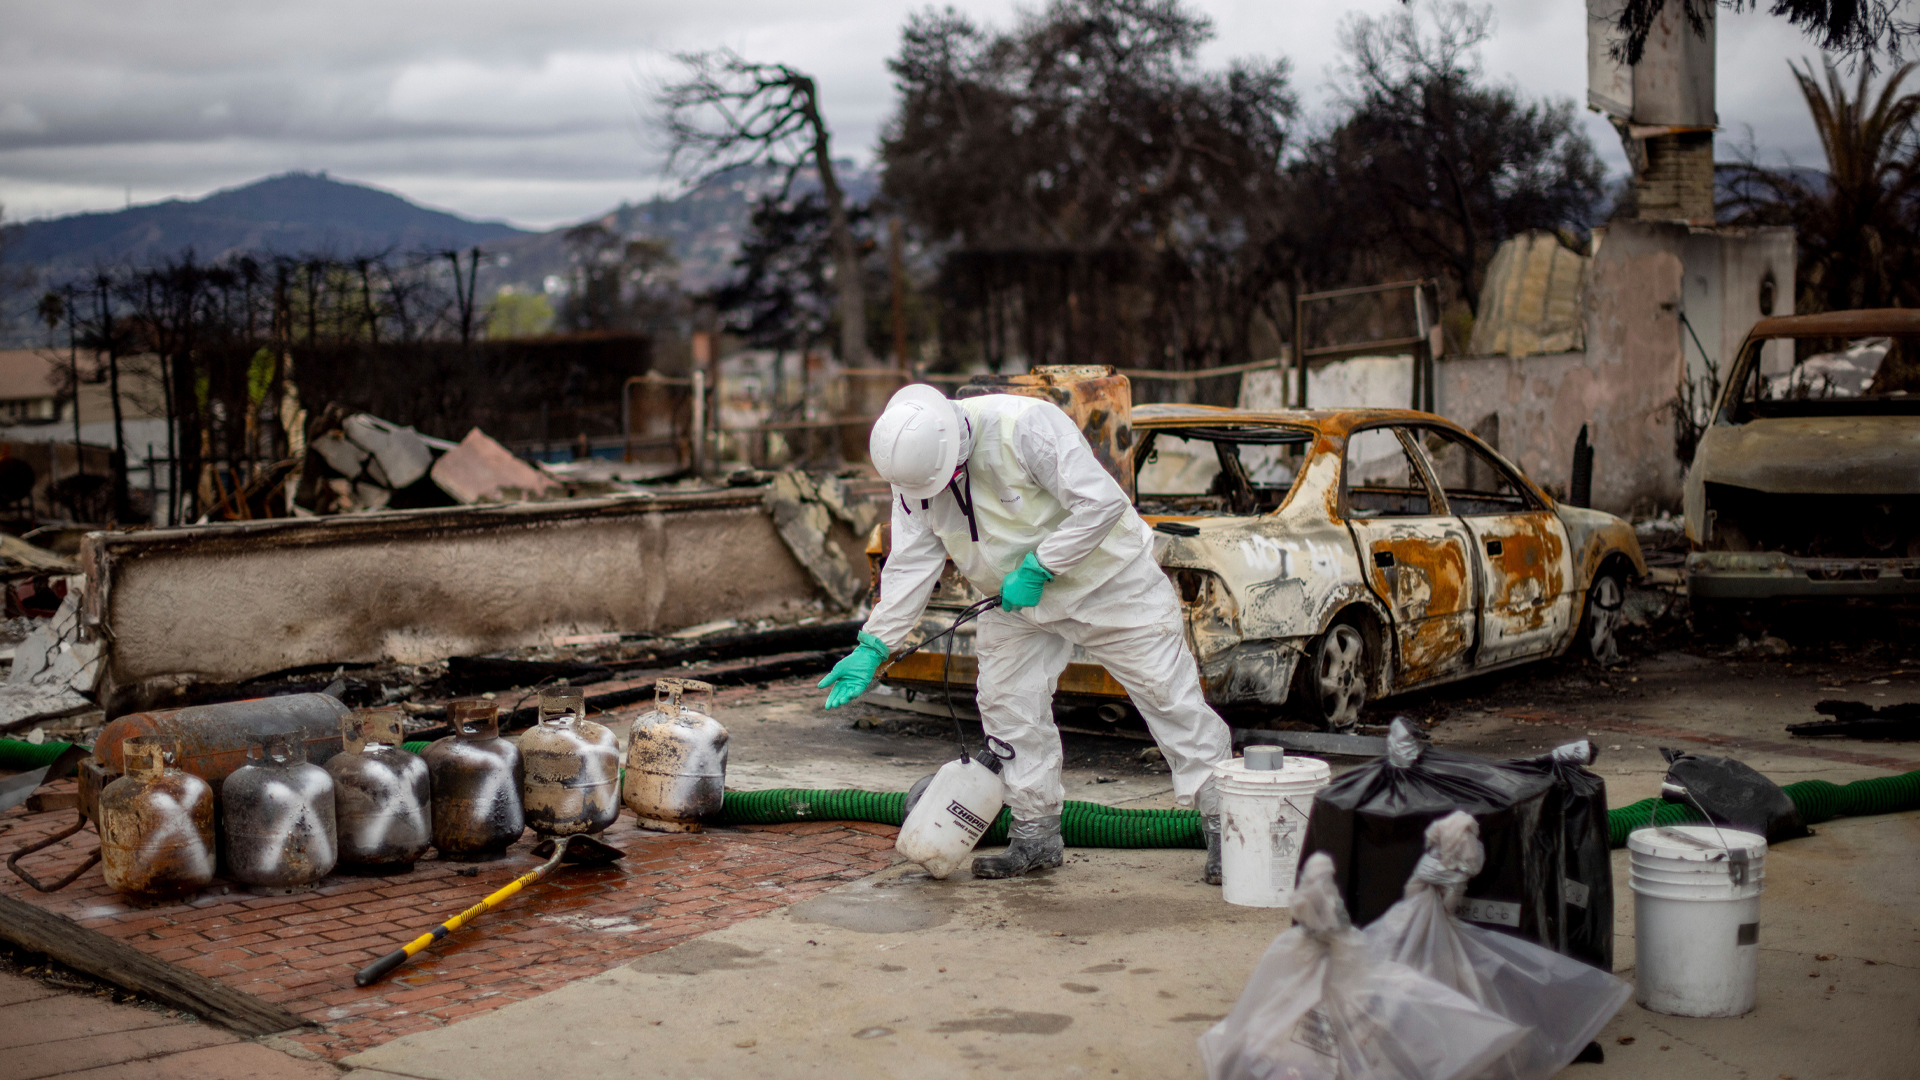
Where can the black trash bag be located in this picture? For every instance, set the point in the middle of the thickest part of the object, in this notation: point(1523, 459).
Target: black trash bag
point(1730, 793)
point(1373, 823)
point(1579, 803)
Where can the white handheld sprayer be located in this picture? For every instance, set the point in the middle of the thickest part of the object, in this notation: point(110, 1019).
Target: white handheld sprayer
point(949, 811)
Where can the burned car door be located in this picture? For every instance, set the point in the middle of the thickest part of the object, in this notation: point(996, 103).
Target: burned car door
point(1415, 553)
point(1520, 548)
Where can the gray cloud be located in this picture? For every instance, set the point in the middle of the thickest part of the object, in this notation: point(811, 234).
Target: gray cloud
point(536, 112)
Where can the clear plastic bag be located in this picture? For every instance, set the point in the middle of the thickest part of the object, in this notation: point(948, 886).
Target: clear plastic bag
point(1320, 1007)
point(1562, 1003)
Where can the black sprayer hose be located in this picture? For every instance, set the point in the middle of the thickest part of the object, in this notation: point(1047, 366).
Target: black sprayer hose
point(946, 667)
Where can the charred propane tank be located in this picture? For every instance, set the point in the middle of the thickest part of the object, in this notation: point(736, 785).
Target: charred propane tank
point(213, 740)
point(380, 795)
point(676, 761)
point(277, 817)
point(476, 777)
point(156, 823)
point(1096, 396)
point(572, 766)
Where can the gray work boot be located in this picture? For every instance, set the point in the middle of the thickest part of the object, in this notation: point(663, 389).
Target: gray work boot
point(1031, 845)
point(1210, 825)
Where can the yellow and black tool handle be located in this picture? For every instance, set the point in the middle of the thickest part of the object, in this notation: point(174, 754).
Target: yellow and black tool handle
point(380, 968)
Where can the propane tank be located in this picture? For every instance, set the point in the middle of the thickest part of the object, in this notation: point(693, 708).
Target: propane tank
point(676, 761)
point(476, 778)
point(277, 816)
point(156, 823)
point(572, 766)
point(951, 814)
point(380, 794)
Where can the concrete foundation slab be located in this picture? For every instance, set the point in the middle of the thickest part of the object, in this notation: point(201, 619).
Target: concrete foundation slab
point(227, 603)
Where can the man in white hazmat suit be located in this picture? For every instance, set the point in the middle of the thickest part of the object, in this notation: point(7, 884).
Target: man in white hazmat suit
point(1007, 487)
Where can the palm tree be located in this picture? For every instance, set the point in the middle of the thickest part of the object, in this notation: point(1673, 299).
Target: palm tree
point(1856, 223)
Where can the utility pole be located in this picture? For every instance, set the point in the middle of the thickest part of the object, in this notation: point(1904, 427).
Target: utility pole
point(73, 369)
point(102, 283)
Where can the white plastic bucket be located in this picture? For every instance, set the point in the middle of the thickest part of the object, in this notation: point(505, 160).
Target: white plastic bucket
point(1696, 910)
point(1263, 819)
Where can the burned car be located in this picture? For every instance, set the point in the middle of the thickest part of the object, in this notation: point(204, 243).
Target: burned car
point(1807, 481)
point(1328, 557)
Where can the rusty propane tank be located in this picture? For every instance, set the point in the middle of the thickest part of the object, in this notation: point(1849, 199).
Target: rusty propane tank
point(277, 817)
point(676, 761)
point(380, 795)
point(156, 823)
point(477, 812)
point(572, 782)
point(213, 740)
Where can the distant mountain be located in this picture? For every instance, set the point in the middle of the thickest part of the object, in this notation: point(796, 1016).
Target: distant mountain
point(705, 226)
point(298, 213)
point(287, 214)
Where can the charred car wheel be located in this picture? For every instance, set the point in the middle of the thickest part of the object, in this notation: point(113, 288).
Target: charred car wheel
point(1600, 625)
point(1334, 676)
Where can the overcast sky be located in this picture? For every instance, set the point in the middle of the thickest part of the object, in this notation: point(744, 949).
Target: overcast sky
point(535, 113)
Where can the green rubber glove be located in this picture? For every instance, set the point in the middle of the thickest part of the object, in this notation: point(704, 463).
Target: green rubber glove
point(1021, 589)
point(854, 673)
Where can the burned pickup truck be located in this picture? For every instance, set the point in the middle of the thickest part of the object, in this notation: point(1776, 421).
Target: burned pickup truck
point(1807, 482)
point(1329, 557)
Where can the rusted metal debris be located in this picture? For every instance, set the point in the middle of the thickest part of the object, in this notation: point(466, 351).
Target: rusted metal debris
point(1096, 396)
point(214, 740)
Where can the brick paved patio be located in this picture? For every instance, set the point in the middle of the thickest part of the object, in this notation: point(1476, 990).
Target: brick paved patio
point(301, 951)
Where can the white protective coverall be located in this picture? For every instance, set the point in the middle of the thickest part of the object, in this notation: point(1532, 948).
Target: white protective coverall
point(1036, 486)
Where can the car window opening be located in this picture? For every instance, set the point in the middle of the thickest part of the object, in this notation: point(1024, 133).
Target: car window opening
point(1208, 472)
point(1382, 478)
point(1474, 483)
point(1865, 375)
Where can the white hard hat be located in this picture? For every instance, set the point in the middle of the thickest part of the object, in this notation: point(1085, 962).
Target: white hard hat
point(915, 444)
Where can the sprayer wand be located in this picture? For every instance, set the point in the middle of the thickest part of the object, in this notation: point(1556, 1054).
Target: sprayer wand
point(946, 667)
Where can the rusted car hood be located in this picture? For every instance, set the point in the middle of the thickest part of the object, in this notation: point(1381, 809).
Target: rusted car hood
point(1849, 455)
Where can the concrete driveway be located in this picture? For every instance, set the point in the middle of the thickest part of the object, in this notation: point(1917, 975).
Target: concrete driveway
point(1114, 964)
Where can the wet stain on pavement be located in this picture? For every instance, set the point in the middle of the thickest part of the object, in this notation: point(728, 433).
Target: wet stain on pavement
point(698, 958)
point(868, 911)
point(1008, 1022)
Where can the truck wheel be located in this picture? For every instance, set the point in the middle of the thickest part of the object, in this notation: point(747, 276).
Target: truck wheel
point(1600, 624)
point(1334, 675)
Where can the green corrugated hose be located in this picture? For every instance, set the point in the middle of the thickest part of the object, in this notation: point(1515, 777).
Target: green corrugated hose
point(1093, 825)
point(19, 756)
point(1082, 824)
